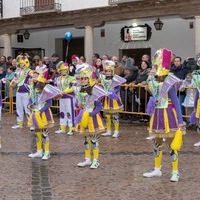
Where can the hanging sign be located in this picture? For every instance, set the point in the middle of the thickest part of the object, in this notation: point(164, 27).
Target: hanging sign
point(136, 33)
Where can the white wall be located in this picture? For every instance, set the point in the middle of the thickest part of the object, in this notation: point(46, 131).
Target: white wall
point(175, 35)
point(82, 4)
point(44, 39)
point(11, 8)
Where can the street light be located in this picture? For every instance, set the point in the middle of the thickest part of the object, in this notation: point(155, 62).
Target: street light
point(26, 34)
point(158, 24)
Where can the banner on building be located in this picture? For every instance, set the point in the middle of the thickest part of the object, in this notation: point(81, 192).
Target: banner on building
point(136, 33)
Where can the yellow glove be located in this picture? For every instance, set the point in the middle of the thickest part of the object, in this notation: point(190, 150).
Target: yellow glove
point(67, 91)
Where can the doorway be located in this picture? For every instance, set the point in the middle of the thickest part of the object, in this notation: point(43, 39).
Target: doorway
point(136, 54)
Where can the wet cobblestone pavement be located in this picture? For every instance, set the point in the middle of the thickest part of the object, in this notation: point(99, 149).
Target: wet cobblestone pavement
point(123, 160)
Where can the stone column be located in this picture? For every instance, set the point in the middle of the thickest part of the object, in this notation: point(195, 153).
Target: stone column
point(197, 35)
point(7, 45)
point(89, 37)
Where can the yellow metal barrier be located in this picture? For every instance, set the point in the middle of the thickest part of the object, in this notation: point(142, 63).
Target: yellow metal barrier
point(134, 98)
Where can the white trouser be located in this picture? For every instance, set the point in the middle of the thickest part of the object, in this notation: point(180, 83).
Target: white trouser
point(67, 112)
point(22, 101)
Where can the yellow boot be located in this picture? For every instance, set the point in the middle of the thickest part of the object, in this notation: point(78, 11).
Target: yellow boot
point(157, 163)
point(46, 155)
point(116, 132)
point(71, 131)
point(175, 175)
point(38, 153)
point(108, 125)
point(87, 160)
point(95, 163)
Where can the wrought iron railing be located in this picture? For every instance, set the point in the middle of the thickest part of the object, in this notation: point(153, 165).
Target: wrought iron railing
point(112, 2)
point(1, 8)
point(28, 7)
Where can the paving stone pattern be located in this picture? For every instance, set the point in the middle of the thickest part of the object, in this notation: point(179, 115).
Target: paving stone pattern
point(123, 160)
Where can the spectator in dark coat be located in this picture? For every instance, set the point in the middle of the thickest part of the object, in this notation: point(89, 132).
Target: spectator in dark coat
point(3, 63)
point(142, 96)
point(54, 61)
point(130, 73)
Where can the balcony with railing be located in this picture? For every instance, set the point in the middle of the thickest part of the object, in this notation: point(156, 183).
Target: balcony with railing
point(114, 2)
point(29, 7)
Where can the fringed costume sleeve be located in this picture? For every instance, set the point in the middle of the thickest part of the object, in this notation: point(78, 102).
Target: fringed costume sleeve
point(175, 101)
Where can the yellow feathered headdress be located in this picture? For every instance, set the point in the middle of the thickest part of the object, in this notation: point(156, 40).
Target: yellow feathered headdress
point(23, 59)
point(162, 58)
point(85, 70)
point(108, 65)
point(62, 66)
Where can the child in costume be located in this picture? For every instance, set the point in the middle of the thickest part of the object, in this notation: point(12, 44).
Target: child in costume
point(188, 102)
point(89, 120)
point(166, 120)
point(21, 80)
point(67, 102)
point(195, 115)
point(41, 117)
point(112, 104)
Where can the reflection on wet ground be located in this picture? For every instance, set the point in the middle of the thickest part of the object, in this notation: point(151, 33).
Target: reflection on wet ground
point(123, 160)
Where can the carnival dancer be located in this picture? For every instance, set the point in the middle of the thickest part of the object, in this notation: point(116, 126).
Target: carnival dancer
point(21, 81)
point(112, 104)
point(166, 119)
point(41, 116)
point(195, 115)
point(89, 120)
point(67, 102)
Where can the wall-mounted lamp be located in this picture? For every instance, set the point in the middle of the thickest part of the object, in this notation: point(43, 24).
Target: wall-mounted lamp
point(158, 24)
point(26, 34)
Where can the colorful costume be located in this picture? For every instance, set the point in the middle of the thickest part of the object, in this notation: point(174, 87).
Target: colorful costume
point(41, 117)
point(188, 102)
point(166, 119)
point(89, 120)
point(195, 115)
point(112, 104)
point(67, 100)
point(21, 80)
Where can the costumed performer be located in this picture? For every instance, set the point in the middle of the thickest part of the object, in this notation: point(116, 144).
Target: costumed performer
point(112, 103)
point(23, 75)
point(166, 121)
point(89, 120)
point(195, 115)
point(67, 101)
point(41, 116)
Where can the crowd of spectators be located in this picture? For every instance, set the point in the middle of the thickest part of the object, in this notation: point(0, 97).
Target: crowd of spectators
point(133, 93)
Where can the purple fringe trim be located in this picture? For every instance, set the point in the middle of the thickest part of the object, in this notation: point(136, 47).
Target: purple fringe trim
point(151, 106)
point(193, 119)
point(48, 115)
point(78, 117)
point(34, 121)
